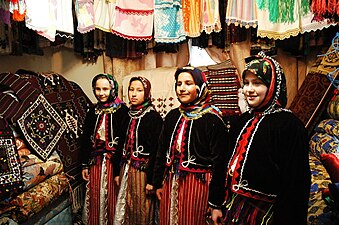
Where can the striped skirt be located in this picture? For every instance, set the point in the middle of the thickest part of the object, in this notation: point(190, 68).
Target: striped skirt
point(101, 193)
point(134, 206)
point(184, 200)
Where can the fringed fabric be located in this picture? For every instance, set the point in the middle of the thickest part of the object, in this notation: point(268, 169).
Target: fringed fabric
point(283, 11)
point(210, 16)
point(241, 210)
point(168, 22)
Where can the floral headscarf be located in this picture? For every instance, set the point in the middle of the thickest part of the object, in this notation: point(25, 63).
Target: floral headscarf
point(270, 72)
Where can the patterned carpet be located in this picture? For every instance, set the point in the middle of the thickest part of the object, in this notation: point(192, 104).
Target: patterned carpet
point(320, 212)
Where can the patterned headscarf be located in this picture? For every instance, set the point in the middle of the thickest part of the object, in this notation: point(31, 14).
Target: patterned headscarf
point(113, 100)
point(201, 104)
point(136, 111)
point(270, 72)
point(200, 81)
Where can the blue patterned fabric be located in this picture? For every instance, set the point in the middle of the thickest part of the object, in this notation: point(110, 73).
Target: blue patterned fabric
point(168, 22)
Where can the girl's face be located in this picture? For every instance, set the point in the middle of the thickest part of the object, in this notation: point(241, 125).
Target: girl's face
point(102, 89)
point(136, 93)
point(254, 90)
point(185, 88)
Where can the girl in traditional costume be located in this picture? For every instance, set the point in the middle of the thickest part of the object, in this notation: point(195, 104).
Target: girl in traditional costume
point(268, 175)
point(136, 199)
point(104, 134)
point(190, 165)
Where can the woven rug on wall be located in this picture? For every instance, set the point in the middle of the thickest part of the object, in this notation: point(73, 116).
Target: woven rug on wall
point(42, 127)
point(224, 84)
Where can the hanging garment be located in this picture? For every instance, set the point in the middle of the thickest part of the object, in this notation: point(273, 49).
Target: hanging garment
point(192, 17)
point(85, 14)
point(210, 16)
point(103, 14)
point(242, 13)
point(278, 28)
point(134, 19)
point(168, 22)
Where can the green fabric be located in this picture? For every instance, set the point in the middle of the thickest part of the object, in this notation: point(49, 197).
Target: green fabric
point(282, 11)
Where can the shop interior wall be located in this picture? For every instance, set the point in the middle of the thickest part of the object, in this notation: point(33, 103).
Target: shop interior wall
point(65, 62)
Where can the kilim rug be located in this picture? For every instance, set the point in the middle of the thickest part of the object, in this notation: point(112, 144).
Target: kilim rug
point(311, 99)
point(10, 168)
point(71, 103)
point(317, 89)
point(15, 104)
point(42, 127)
point(224, 84)
point(50, 117)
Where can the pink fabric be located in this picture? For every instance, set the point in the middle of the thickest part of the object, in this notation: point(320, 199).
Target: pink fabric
point(134, 19)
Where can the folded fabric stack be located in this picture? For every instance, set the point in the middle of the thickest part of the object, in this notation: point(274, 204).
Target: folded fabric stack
point(324, 149)
point(40, 170)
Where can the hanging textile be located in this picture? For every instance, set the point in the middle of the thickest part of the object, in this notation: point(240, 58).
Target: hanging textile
point(103, 14)
point(281, 28)
point(85, 14)
point(134, 19)
point(46, 17)
point(191, 14)
point(210, 16)
point(242, 13)
point(325, 10)
point(168, 21)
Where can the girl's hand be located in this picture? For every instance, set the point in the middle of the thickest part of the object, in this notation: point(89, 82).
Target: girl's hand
point(149, 189)
point(216, 216)
point(117, 180)
point(159, 193)
point(85, 174)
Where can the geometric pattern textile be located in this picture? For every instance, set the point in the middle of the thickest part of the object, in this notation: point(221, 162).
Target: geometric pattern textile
point(10, 167)
point(224, 84)
point(311, 99)
point(42, 127)
point(71, 103)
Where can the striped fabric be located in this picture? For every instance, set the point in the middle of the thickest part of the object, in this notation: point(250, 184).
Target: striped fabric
point(191, 204)
point(139, 206)
point(24, 92)
point(224, 83)
point(102, 193)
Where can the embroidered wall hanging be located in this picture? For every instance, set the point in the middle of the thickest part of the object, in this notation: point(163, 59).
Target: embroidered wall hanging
point(42, 127)
point(10, 168)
